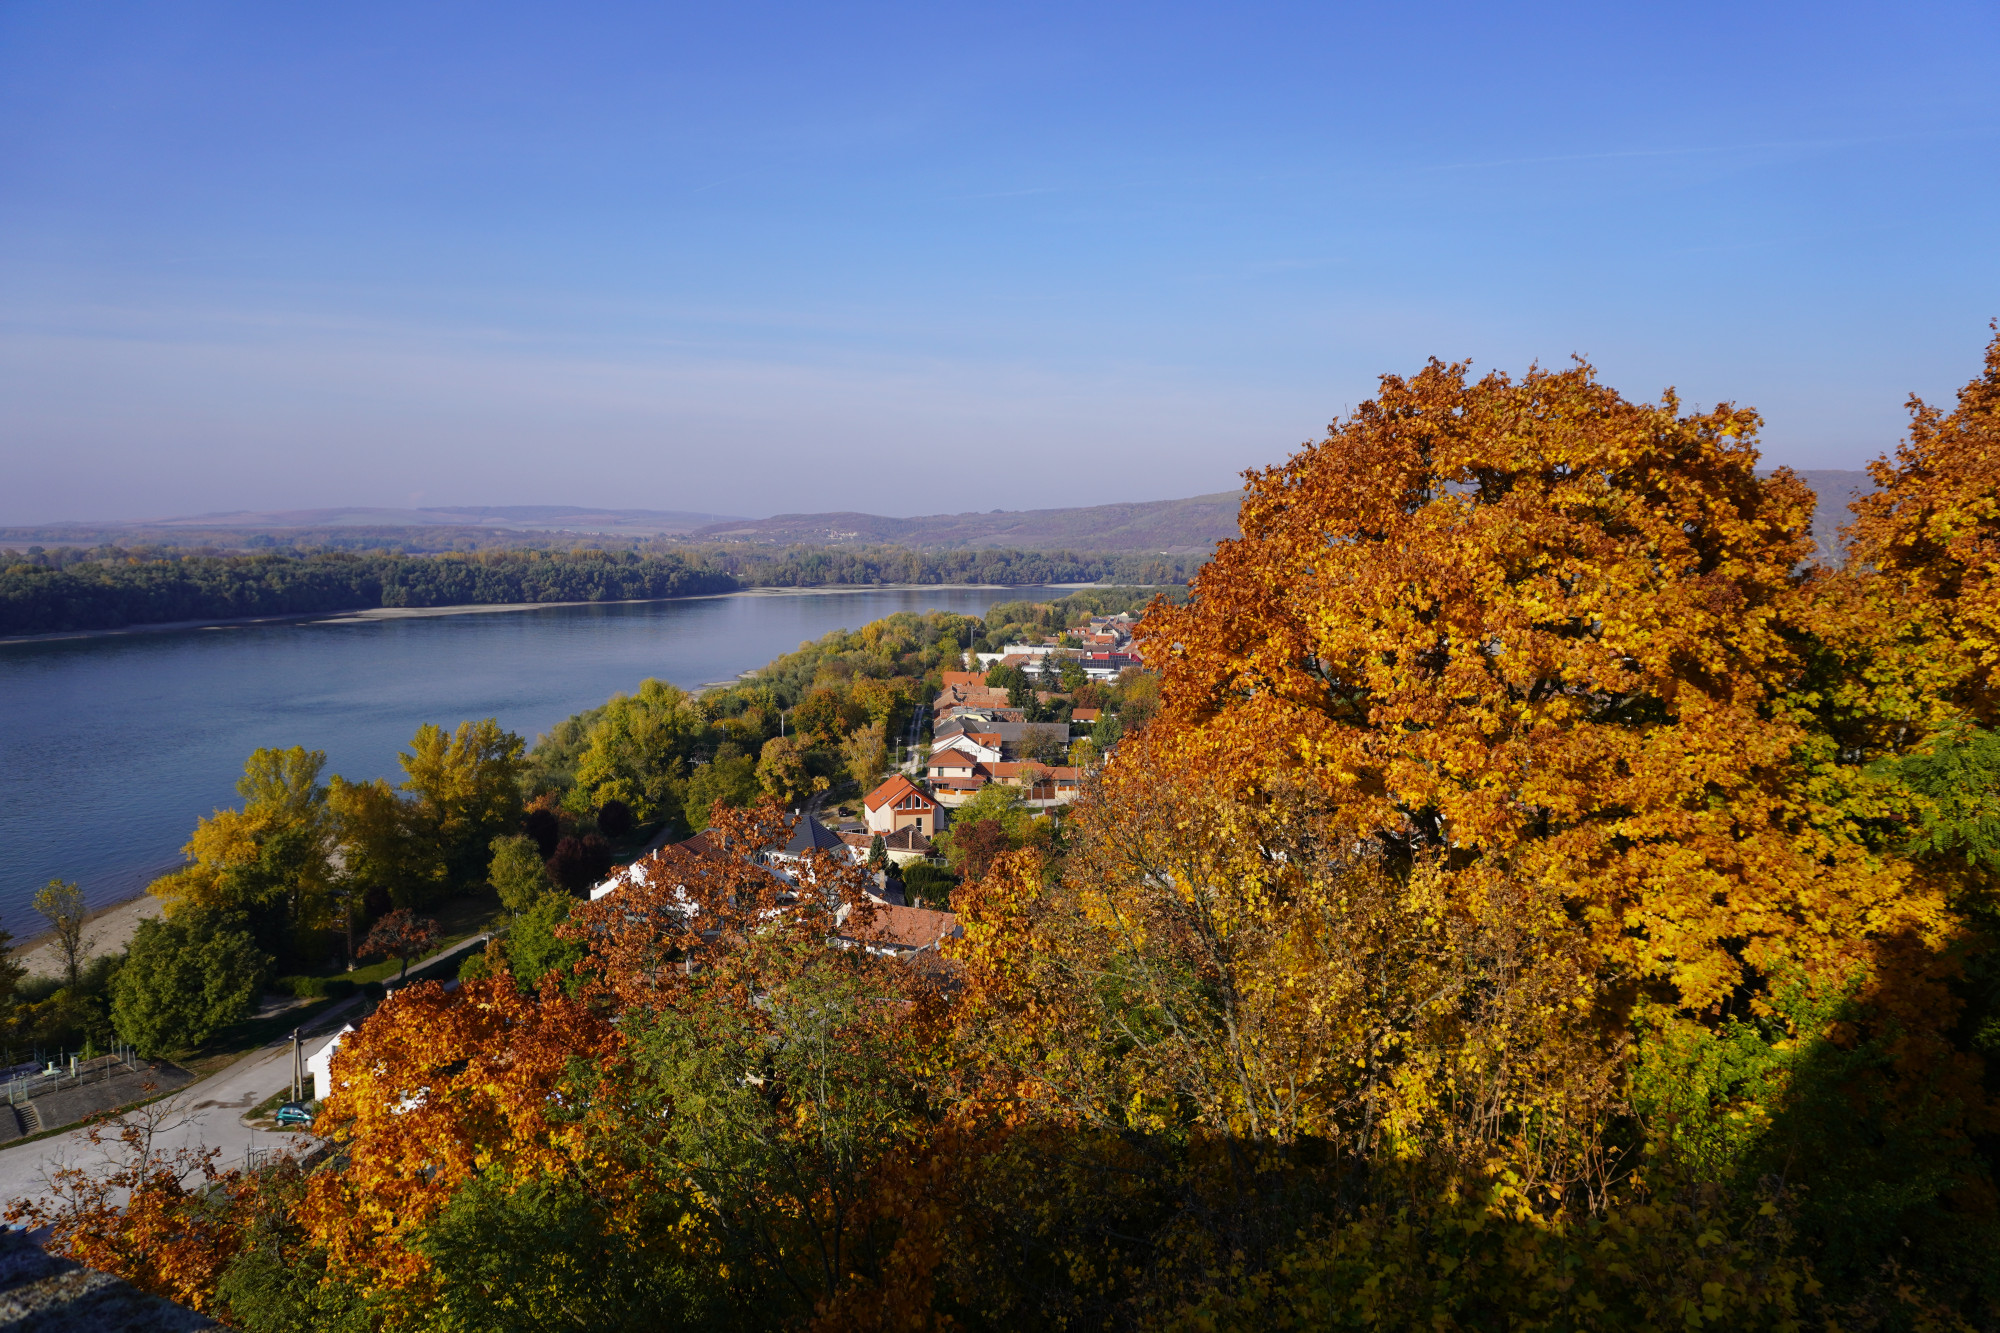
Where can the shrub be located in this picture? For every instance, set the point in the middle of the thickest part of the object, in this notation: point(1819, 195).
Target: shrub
point(927, 885)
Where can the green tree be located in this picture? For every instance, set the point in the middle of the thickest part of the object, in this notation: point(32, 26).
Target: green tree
point(11, 972)
point(639, 752)
point(533, 949)
point(776, 1107)
point(186, 978)
point(1045, 743)
point(731, 778)
point(521, 1256)
point(928, 885)
point(61, 901)
point(517, 873)
point(1071, 674)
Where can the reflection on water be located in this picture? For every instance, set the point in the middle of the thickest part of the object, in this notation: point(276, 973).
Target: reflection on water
point(110, 748)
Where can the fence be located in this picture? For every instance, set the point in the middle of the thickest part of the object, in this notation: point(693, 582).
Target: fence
point(77, 1072)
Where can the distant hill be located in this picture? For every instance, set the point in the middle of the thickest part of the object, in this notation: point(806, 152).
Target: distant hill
point(520, 518)
point(1836, 490)
point(1174, 527)
point(1171, 526)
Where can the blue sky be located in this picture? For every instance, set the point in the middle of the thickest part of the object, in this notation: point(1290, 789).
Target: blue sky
point(760, 258)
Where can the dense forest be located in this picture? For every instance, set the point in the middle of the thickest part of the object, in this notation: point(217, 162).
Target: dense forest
point(72, 589)
point(1538, 896)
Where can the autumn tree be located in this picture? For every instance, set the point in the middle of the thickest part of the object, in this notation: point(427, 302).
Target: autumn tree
point(614, 819)
point(783, 773)
point(1929, 535)
point(270, 861)
point(866, 753)
point(159, 1216)
point(1511, 623)
point(433, 1090)
point(579, 863)
point(401, 935)
point(466, 790)
point(61, 904)
point(817, 720)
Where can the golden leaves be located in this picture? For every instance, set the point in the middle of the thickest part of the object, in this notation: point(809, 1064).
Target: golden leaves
point(1537, 623)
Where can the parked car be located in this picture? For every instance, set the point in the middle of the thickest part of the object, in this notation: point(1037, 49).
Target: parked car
point(293, 1113)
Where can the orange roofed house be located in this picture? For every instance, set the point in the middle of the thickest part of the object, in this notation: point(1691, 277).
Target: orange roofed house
point(899, 804)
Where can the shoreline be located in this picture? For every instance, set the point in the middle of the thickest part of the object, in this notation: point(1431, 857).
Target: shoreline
point(110, 937)
point(367, 615)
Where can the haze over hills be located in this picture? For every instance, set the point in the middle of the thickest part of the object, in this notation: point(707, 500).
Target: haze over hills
point(1191, 526)
point(518, 518)
point(1173, 526)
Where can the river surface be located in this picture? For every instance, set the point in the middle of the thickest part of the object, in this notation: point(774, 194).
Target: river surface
point(112, 747)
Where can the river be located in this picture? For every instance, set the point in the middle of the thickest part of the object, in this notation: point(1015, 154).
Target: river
point(111, 747)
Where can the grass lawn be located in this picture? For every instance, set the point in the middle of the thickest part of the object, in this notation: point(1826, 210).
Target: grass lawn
point(458, 919)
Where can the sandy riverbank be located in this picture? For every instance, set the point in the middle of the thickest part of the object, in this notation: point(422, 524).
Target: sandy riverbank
point(107, 930)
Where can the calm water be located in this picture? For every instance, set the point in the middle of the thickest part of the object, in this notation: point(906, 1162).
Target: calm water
point(111, 748)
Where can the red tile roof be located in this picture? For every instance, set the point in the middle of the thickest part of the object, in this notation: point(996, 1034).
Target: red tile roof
point(902, 927)
point(895, 789)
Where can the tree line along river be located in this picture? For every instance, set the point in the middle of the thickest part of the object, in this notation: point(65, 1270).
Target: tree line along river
point(111, 747)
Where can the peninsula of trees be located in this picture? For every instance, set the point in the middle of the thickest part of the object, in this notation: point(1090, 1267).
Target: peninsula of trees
point(70, 589)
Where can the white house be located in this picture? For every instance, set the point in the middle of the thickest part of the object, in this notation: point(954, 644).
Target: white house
point(320, 1063)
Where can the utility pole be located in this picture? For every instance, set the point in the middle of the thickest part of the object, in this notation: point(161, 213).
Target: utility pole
point(298, 1068)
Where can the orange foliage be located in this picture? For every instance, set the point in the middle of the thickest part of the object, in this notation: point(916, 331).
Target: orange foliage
point(1537, 625)
point(1932, 533)
point(433, 1089)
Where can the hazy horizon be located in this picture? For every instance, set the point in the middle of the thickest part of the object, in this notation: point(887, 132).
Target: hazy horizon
point(909, 261)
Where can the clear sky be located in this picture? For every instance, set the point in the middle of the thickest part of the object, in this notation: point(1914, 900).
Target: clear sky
point(751, 258)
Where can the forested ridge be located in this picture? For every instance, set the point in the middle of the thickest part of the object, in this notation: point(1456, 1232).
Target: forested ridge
point(1534, 894)
point(108, 588)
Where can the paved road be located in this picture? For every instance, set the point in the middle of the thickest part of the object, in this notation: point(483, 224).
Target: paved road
point(208, 1114)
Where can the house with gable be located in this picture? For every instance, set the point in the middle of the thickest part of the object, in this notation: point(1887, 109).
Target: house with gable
point(899, 804)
